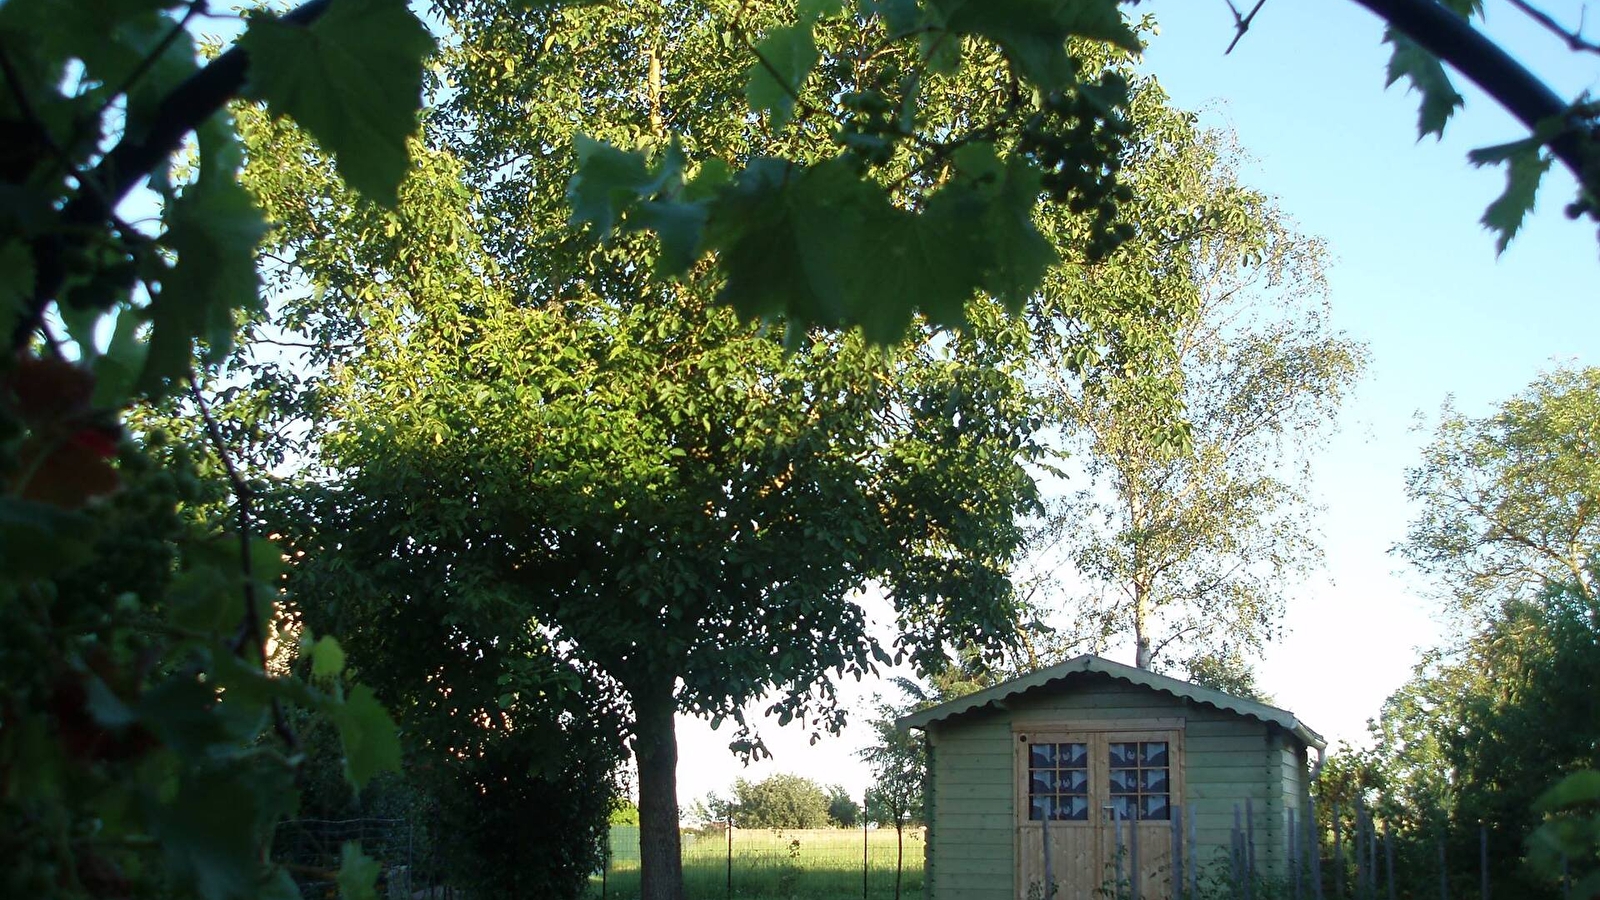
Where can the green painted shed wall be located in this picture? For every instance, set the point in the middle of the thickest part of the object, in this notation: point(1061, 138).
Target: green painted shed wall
point(1228, 759)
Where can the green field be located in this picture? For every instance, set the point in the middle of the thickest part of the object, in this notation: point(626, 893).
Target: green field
point(817, 864)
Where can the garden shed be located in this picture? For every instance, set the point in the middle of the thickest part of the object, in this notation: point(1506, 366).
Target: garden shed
point(1102, 764)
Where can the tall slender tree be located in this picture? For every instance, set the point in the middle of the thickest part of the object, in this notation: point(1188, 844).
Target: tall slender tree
point(1188, 549)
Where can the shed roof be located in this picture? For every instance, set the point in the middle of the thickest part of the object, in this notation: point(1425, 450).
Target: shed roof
point(1044, 679)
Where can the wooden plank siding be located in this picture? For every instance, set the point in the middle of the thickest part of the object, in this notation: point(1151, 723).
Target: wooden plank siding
point(1227, 759)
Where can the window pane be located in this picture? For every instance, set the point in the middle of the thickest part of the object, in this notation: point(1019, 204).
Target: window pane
point(1073, 781)
point(1153, 781)
point(1039, 807)
point(1153, 753)
point(1042, 781)
point(1072, 756)
point(1124, 754)
point(1124, 781)
point(1123, 807)
point(1041, 756)
point(1154, 806)
point(1073, 808)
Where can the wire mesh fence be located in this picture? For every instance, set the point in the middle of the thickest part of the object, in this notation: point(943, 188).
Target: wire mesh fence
point(311, 849)
point(754, 863)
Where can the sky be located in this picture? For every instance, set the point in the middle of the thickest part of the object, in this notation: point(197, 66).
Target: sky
point(1412, 274)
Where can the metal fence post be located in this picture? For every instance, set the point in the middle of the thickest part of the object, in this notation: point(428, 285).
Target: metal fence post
point(1483, 859)
point(1444, 877)
point(1294, 852)
point(1116, 818)
point(730, 856)
point(1175, 866)
point(1249, 846)
point(1044, 848)
point(1314, 847)
point(1338, 855)
point(1388, 859)
point(1135, 875)
point(863, 847)
point(1189, 858)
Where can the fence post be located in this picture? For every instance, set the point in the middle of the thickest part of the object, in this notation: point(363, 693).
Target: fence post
point(1175, 867)
point(1294, 852)
point(1044, 841)
point(1135, 875)
point(1372, 857)
point(864, 846)
point(1483, 860)
point(1314, 846)
point(1236, 850)
point(1249, 847)
point(1360, 851)
point(1116, 818)
point(1444, 876)
point(1338, 855)
point(1388, 858)
point(730, 856)
point(1194, 875)
point(605, 865)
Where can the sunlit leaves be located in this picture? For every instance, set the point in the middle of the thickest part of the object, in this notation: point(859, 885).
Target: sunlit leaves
point(1034, 33)
point(352, 78)
point(1427, 77)
point(1525, 162)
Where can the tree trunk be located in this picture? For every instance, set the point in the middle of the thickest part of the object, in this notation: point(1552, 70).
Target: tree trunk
point(655, 751)
point(899, 853)
point(1143, 655)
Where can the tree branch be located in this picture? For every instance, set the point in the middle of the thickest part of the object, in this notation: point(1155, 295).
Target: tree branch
point(197, 99)
point(1574, 38)
point(1454, 40)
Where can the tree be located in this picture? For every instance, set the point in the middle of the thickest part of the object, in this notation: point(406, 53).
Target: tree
point(1479, 735)
point(899, 763)
point(1193, 547)
point(88, 141)
point(843, 810)
point(780, 801)
point(1510, 503)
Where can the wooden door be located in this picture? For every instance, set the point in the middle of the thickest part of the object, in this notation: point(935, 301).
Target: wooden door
point(1094, 813)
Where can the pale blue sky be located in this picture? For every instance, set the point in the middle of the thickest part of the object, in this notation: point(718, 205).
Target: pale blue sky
point(1413, 275)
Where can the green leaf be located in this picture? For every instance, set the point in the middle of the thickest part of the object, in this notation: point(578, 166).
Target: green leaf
point(1428, 77)
point(679, 225)
point(812, 10)
point(1577, 789)
point(358, 873)
point(327, 658)
point(205, 598)
point(38, 539)
point(16, 283)
point(1525, 164)
point(353, 79)
point(606, 183)
point(370, 742)
point(899, 16)
point(1034, 33)
point(208, 835)
point(213, 227)
point(280, 886)
point(785, 58)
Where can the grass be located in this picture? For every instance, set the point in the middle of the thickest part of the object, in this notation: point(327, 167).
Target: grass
point(771, 864)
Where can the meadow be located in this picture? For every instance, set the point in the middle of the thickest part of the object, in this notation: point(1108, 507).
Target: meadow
point(775, 864)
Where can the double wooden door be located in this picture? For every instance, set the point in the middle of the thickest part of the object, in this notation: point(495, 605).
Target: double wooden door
point(1094, 810)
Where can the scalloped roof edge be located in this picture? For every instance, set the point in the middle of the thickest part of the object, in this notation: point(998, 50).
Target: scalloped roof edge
point(1089, 663)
